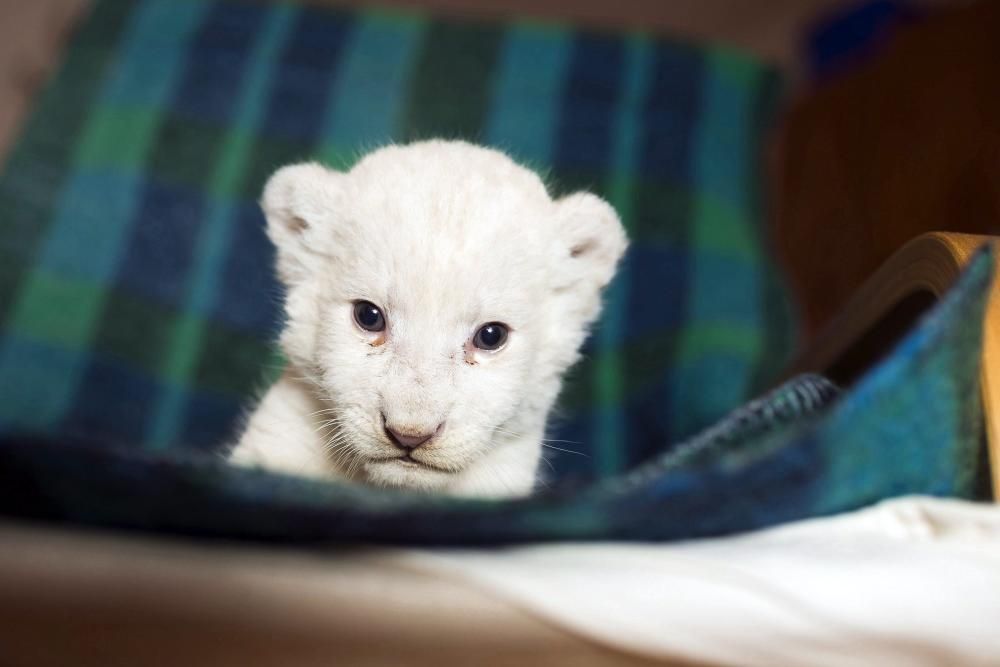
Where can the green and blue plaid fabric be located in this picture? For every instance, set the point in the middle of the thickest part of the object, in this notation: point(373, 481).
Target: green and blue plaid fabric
point(912, 425)
point(137, 300)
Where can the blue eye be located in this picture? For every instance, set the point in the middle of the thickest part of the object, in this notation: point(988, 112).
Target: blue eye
point(368, 316)
point(490, 336)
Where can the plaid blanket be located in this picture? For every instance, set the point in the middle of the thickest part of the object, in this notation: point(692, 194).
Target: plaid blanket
point(138, 306)
point(137, 302)
point(912, 425)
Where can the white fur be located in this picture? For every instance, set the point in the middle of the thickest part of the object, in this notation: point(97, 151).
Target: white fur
point(444, 237)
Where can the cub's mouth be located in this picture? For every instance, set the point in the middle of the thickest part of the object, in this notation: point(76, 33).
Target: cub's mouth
point(407, 461)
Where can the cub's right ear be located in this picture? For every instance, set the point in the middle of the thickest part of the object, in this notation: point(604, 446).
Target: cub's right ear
point(299, 202)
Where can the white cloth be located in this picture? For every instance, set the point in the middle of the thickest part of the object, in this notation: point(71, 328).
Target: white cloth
point(913, 581)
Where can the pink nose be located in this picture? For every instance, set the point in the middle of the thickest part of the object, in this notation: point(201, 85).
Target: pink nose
point(408, 438)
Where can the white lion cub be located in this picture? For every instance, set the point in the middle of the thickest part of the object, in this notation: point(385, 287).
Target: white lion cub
point(436, 295)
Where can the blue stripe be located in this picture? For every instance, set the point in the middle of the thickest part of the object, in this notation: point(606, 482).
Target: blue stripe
point(208, 420)
point(726, 128)
point(589, 106)
point(165, 230)
point(161, 247)
point(713, 384)
point(670, 114)
point(150, 59)
point(102, 200)
point(246, 279)
point(610, 424)
point(627, 147)
point(216, 229)
point(584, 147)
point(217, 62)
point(96, 198)
point(248, 297)
point(106, 200)
point(37, 383)
point(365, 111)
point(236, 156)
point(305, 79)
point(165, 233)
point(115, 407)
point(527, 93)
point(292, 78)
point(721, 290)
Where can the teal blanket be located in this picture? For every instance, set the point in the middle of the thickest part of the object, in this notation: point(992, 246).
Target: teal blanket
point(911, 425)
point(138, 304)
point(137, 301)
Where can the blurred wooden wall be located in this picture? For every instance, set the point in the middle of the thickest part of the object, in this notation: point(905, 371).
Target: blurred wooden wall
point(907, 143)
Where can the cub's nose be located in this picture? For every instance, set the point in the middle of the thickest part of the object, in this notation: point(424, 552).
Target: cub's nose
point(411, 438)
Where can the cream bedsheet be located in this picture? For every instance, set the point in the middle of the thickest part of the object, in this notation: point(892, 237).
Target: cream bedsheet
point(914, 581)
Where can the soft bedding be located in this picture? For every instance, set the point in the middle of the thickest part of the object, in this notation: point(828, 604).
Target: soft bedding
point(911, 581)
point(912, 425)
point(132, 260)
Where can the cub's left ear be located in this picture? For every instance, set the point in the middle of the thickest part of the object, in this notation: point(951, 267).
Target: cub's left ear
point(301, 203)
point(592, 237)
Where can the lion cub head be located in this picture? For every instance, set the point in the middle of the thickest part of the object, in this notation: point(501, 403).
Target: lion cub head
point(436, 294)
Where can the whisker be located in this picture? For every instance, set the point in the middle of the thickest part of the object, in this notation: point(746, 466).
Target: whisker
point(568, 451)
point(323, 411)
point(552, 468)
